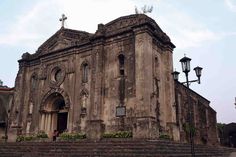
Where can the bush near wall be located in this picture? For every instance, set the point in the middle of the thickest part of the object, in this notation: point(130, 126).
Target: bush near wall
point(119, 134)
point(36, 137)
point(65, 136)
point(164, 137)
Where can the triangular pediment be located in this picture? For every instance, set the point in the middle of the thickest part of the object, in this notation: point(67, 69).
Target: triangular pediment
point(62, 39)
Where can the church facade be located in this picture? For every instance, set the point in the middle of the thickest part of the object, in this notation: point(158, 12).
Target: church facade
point(118, 78)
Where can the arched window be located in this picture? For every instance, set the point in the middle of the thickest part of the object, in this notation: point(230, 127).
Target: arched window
point(156, 62)
point(121, 58)
point(33, 82)
point(85, 72)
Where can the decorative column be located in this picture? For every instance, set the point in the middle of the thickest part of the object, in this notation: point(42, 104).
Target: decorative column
point(42, 121)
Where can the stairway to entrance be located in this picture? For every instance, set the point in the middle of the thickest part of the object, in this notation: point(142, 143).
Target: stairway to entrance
point(109, 148)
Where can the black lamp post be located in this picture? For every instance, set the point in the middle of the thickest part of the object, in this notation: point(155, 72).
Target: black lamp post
point(185, 62)
point(235, 102)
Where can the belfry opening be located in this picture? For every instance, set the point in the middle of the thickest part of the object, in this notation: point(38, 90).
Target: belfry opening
point(54, 115)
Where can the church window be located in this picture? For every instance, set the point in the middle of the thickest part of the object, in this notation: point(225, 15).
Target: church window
point(155, 66)
point(33, 82)
point(85, 73)
point(58, 75)
point(121, 58)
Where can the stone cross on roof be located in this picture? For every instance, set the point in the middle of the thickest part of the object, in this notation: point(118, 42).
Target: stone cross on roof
point(62, 19)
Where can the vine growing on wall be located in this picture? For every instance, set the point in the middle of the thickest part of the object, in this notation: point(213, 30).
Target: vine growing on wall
point(189, 128)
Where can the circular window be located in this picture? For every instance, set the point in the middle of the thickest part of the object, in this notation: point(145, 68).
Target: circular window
point(57, 76)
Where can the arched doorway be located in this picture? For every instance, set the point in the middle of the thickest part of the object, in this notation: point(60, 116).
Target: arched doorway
point(54, 114)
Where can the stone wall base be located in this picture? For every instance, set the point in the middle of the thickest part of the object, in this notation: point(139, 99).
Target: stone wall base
point(173, 130)
point(95, 129)
point(145, 128)
point(12, 134)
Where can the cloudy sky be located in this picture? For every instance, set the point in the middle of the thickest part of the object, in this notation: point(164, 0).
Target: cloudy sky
point(204, 30)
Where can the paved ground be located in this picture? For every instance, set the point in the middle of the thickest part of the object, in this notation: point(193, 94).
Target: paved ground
point(233, 154)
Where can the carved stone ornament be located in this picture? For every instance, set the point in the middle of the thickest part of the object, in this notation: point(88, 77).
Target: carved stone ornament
point(43, 72)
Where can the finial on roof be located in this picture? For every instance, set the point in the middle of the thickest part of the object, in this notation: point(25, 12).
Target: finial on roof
point(63, 19)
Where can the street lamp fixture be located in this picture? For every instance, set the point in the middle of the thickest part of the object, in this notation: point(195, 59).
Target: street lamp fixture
point(185, 62)
point(175, 75)
point(198, 71)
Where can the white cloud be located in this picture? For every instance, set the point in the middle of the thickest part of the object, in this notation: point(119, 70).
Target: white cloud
point(185, 31)
point(87, 14)
point(193, 38)
point(35, 25)
point(231, 4)
point(29, 27)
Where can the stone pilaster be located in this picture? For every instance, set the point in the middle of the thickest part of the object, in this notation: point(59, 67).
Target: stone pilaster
point(95, 129)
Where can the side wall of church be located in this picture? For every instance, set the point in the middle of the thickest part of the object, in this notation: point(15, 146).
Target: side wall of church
point(114, 95)
point(203, 116)
point(6, 96)
point(149, 88)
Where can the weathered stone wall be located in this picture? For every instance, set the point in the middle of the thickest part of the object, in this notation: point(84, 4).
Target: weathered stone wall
point(6, 96)
point(203, 116)
point(144, 84)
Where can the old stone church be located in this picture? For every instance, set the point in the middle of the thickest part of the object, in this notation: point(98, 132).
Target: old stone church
point(118, 78)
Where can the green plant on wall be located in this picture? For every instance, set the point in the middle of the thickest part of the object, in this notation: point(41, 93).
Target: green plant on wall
point(164, 137)
point(187, 128)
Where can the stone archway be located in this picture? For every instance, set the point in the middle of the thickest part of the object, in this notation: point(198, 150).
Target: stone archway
point(54, 114)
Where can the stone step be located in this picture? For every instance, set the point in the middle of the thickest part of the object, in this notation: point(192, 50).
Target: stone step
point(109, 148)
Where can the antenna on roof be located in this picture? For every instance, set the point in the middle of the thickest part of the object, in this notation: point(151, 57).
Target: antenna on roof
point(144, 10)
